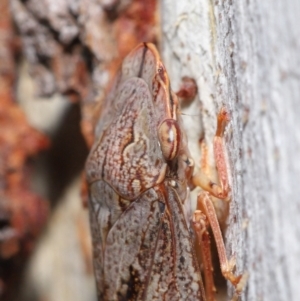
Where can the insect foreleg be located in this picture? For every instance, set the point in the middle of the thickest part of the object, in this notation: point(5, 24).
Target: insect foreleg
point(201, 179)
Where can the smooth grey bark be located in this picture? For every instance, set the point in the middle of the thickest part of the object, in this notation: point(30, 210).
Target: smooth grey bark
point(245, 55)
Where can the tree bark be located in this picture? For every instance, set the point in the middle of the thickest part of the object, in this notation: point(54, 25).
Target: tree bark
point(244, 55)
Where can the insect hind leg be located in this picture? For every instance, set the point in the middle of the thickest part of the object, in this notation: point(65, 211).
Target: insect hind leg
point(208, 217)
point(202, 244)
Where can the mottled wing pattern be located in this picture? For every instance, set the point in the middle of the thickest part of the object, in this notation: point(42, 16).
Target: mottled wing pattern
point(105, 208)
point(130, 248)
point(175, 273)
point(147, 254)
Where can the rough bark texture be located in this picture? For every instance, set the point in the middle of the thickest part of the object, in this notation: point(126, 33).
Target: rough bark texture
point(245, 55)
point(75, 47)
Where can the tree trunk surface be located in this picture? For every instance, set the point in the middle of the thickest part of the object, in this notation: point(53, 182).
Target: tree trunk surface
point(245, 55)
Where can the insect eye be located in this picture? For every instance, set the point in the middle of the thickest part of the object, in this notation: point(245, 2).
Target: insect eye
point(169, 138)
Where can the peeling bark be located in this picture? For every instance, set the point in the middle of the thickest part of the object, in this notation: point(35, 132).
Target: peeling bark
point(75, 47)
point(22, 212)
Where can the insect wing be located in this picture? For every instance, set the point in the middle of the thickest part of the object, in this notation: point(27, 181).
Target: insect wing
point(175, 263)
point(130, 248)
point(105, 209)
point(147, 254)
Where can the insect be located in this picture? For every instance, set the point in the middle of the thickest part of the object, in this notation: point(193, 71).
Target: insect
point(139, 172)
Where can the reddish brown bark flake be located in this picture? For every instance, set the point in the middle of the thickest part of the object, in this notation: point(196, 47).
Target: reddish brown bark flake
point(76, 48)
point(22, 213)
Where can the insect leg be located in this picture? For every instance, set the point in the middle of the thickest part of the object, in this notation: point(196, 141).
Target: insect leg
point(201, 179)
point(221, 191)
point(200, 225)
point(204, 202)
